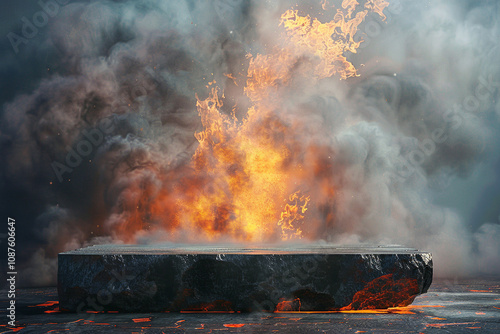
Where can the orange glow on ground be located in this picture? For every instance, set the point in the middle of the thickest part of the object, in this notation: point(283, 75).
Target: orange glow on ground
point(234, 325)
point(385, 291)
point(56, 310)
point(450, 324)
point(49, 303)
point(385, 294)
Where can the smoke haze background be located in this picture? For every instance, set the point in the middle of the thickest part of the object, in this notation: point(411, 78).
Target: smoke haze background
point(138, 64)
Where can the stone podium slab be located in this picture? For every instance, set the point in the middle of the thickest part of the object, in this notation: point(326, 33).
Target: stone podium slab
point(217, 278)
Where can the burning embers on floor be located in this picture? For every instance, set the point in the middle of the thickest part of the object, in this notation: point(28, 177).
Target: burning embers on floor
point(230, 279)
point(382, 293)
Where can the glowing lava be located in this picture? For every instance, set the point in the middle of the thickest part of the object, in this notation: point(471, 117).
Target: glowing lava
point(385, 294)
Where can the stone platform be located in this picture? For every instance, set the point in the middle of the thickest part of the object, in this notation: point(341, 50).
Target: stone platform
point(209, 278)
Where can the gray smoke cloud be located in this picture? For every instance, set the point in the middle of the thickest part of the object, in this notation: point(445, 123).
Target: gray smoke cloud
point(111, 125)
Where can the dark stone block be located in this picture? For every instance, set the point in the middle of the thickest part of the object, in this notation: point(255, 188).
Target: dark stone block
point(132, 278)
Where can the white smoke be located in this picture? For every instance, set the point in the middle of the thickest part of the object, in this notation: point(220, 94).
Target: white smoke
point(420, 115)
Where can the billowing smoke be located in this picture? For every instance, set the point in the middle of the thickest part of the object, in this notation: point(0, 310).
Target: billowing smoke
point(99, 146)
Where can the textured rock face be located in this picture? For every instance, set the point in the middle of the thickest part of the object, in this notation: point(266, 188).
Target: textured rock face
point(216, 278)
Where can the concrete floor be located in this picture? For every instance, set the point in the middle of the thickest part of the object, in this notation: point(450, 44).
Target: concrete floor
point(450, 306)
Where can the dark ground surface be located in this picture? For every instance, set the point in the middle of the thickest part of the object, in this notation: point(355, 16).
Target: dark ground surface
point(450, 306)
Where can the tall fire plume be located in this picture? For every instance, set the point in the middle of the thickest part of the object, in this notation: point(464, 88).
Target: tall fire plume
point(252, 179)
point(252, 122)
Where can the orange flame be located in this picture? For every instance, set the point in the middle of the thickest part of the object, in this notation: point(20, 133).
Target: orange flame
point(292, 214)
point(350, 5)
point(377, 6)
point(325, 4)
point(312, 37)
point(242, 170)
